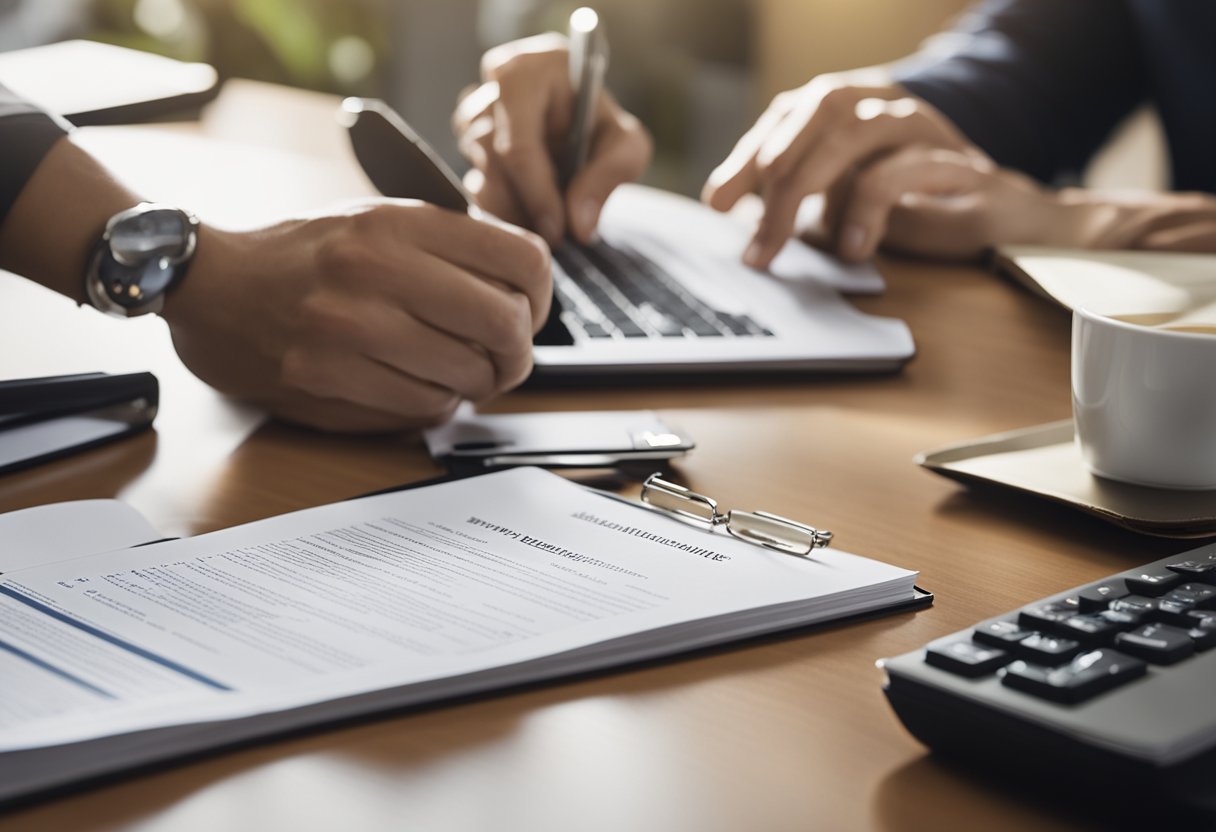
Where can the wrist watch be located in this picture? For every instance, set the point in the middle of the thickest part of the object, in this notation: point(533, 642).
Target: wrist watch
point(143, 253)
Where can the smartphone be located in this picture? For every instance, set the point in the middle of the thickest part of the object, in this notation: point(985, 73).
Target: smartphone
point(397, 160)
point(588, 439)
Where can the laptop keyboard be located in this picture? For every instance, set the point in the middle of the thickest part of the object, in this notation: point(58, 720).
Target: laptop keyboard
point(617, 292)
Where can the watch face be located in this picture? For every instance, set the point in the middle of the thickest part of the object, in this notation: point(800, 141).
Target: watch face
point(133, 286)
point(150, 234)
point(145, 250)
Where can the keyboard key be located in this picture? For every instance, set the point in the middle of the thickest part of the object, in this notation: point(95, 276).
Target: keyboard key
point(666, 325)
point(1084, 677)
point(1003, 634)
point(1202, 569)
point(596, 330)
point(1156, 643)
point(1201, 627)
point(1173, 606)
point(618, 284)
point(733, 323)
point(1049, 650)
point(1124, 619)
point(753, 328)
point(967, 658)
point(1203, 595)
point(1093, 629)
point(704, 329)
point(1173, 612)
point(1046, 616)
point(1153, 582)
point(1099, 596)
point(1135, 604)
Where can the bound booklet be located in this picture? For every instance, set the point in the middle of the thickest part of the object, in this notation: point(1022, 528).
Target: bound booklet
point(124, 659)
point(1150, 288)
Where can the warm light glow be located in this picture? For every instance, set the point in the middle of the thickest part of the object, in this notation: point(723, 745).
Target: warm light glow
point(160, 18)
point(351, 59)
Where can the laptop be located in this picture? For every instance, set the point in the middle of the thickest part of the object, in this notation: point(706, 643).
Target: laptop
point(663, 291)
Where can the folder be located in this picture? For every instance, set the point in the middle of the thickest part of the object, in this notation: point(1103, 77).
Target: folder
point(42, 419)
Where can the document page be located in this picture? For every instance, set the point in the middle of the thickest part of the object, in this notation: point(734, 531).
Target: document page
point(61, 531)
point(377, 593)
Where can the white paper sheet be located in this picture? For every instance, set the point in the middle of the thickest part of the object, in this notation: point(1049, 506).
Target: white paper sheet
point(62, 531)
point(375, 594)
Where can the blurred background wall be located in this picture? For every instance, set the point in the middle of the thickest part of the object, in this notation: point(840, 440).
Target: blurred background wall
point(798, 39)
point(696, 71)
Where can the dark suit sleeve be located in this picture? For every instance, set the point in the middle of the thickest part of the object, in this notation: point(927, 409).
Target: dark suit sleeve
point(1038, 84)
point(26, 134)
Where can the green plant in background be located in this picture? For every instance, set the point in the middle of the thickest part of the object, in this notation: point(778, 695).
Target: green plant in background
point(683, 66)
point(319, 44)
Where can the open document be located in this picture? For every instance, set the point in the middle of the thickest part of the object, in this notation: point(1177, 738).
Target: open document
point(60, 531)
point(122, 659)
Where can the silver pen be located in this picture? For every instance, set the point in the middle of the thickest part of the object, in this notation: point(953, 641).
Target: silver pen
point(588, 63)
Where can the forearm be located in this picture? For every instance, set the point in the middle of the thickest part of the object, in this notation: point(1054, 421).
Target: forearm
point(1130, 220)
point(59, 215)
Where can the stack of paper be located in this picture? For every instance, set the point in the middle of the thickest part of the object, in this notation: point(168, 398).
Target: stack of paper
point(138, 655)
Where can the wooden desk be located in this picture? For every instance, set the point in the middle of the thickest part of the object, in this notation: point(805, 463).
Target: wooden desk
point(787, 733)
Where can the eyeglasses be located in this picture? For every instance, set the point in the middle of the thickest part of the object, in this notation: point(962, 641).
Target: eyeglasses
point(759, 527)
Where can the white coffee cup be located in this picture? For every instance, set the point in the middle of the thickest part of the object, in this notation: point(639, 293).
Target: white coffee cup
point(1144, 400)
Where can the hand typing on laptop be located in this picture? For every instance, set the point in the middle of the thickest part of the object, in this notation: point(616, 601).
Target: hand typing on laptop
point(866, 160)
point(856, 140)
point(942, 156)
point(650, 283)
point(896, 173)
point(512, 126)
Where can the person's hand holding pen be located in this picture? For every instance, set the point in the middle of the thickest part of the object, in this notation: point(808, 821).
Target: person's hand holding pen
point(518, 129)
point(514, 129)
point(372, 316)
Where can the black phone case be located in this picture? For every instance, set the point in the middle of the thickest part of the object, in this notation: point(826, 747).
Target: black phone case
point(128, 403)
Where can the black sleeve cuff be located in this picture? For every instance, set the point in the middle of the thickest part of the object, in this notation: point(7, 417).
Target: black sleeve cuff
point(26, 135)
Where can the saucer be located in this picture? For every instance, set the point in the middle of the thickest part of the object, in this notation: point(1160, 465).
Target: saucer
point(1044, 461)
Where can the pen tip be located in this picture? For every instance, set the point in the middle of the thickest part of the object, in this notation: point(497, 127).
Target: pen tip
point(584, 19)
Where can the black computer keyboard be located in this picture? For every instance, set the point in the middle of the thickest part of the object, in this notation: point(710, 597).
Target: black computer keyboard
point(1112, 685)
point(614, 291)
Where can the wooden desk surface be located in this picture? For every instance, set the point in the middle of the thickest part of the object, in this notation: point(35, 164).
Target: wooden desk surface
point(787, 733)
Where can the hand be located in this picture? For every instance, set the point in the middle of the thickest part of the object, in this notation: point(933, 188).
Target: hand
point(511, 127)
point(1143, 220)
point(949, 204)
point(811, 140)
point(383, 317)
